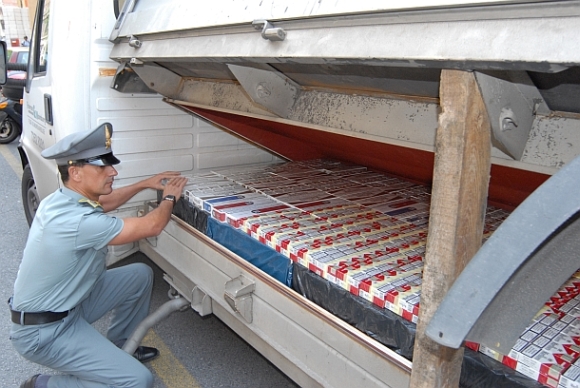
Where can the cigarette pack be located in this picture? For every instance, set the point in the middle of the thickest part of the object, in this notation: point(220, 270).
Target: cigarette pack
point(237, 218)
point(223, 202)
point(270, 234)
point(349, 210)
point(247, 169)
point(321, 260)
point(305, 196)
point(369, 177)
point(386, 293)
point(332, 184)
point(409, 210)
point(298, 175)
point(298, 249)
point(221, 211)
point(254, 223)
point(343, 169)
point(316, 206)
point(409, 303)
point(393, 185)
point(571, 377)
point(279, 190)
point(371, 268)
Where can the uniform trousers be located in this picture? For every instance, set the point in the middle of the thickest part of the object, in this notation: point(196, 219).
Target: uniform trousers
point(75, 348)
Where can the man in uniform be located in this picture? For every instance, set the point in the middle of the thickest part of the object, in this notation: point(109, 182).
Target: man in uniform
point(63, 285)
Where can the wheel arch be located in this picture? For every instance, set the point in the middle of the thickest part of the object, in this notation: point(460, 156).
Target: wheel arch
point(23, 157)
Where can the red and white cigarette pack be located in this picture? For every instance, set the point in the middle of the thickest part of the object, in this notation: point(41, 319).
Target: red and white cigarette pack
point(410, 303)
point(369, 263)
point(252, 224)
point(236, 218)
point(317, 206)
point(351, 211)
point(378, 267)
point(201, 188)
point(386, 293)
point(357, 192)
point(571, 377)
point(223, 201)
point(309, 228)
point(297, 197)
point(270, 234)
point(221, 210)
point(392, 184)
point(548, 350)
point(371, 177)
point(298, 249)
point(278, 190)
point(321, 260)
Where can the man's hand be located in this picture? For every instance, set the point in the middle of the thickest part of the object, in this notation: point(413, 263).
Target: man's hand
point(174, 186)
point(119, 196)
point(137, 228)
point(156, 181)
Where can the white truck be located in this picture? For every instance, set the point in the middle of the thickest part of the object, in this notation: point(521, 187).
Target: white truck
point(414, 89)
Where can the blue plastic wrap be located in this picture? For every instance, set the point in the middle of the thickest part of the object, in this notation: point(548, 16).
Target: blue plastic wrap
point(262, 256)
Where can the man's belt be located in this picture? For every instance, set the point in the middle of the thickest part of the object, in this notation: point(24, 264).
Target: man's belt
point(22, 318)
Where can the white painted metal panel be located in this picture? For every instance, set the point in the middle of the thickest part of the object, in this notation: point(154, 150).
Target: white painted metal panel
point(554, 141)
point(519, 33)
point(229, 12)
point(325, 350)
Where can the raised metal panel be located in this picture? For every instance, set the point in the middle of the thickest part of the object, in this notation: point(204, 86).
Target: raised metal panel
point(474, 37)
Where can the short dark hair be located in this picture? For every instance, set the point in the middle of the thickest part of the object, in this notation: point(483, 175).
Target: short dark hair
point(63, 170)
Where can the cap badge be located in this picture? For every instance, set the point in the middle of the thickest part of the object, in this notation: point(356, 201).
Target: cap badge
point(107, 137)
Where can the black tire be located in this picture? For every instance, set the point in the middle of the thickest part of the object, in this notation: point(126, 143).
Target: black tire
point(16, 66)
point(14, 88)
point(30, 197)
point(9, 130)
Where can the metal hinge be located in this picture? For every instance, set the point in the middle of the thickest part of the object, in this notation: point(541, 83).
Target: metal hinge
point(238, 294)
point(269, 32)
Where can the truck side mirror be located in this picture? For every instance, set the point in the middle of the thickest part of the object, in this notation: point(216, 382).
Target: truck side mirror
point(2, 62)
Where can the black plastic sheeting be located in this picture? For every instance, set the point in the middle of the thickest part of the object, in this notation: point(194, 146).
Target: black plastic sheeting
point(481, 371)
point(380, 324)
point(386, 327)
point(188, 213)
point(192, 215)
point(397, 333)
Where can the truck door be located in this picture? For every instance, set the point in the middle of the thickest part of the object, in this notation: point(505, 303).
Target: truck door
point(37, 117)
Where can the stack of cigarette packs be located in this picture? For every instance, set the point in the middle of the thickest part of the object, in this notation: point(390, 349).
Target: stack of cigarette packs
point(548, 350)
point(362, 230)
point(366, 232)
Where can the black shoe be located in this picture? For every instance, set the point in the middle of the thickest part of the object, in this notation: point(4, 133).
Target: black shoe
point(30, 383)
point(144, 354)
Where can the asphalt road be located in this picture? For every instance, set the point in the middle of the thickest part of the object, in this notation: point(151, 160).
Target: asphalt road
point(195, 351)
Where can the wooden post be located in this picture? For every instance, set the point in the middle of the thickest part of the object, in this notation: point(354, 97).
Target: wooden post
point(458, 203)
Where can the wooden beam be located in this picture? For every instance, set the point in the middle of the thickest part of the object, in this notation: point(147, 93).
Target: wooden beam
point(458, 203)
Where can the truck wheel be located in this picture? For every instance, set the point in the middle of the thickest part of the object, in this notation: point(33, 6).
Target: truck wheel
point(30, 198)
point(9, 130)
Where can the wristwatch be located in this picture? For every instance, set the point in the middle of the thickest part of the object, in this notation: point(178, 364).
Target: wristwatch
point(170, 198)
